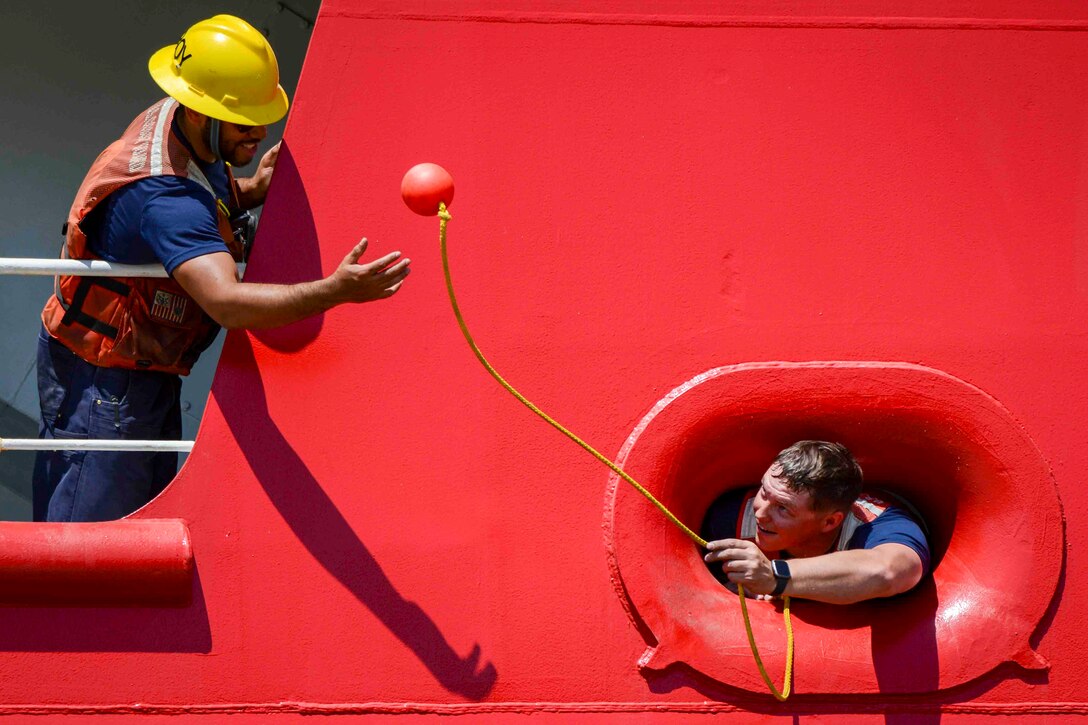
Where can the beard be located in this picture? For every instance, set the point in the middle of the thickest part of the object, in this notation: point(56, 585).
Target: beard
point(234, 155)
point(231, 153)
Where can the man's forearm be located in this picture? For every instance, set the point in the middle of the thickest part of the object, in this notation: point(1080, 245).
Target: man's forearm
point(845, 577)
point(255, 306)
point(212, 280)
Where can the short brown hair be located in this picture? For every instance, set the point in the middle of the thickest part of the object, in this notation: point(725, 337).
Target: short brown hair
point(827, 471)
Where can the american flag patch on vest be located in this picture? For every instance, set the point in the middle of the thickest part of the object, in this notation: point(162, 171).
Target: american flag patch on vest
point(169, 307)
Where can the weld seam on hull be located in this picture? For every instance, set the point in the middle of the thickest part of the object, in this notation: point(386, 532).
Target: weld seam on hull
point(471, 709)
point(680, 21)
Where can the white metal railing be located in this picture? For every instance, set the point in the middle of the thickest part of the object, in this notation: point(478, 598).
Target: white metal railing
point(79, 267)
point(83, 268)
point(86, 444)
point(87, 268)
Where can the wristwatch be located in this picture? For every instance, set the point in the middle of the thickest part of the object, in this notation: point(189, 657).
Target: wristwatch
point(782, 576)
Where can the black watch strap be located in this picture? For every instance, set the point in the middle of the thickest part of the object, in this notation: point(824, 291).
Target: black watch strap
point(781, 575)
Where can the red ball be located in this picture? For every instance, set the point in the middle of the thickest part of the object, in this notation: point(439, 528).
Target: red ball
point(424, 186)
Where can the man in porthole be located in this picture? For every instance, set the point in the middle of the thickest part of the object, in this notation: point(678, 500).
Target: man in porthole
point(808, 531)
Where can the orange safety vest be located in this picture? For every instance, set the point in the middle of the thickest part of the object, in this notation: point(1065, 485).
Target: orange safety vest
point(862, 511)
point(135, 323)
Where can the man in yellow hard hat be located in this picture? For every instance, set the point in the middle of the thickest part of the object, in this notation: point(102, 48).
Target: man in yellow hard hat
point(111, 349)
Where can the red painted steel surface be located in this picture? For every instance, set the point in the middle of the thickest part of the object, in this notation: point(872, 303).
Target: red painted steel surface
point(644, 193)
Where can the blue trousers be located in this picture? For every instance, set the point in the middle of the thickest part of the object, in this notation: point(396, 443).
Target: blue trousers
point(80, 400)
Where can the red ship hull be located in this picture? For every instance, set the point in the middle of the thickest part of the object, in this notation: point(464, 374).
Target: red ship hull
point(692, 234)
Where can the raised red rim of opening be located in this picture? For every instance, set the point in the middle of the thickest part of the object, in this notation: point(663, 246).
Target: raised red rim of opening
point(945, 445)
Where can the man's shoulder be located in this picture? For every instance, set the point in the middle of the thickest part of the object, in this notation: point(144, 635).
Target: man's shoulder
point(148, 195)
point(892, 525)
point(168, 184)
point(166, 201)
point(140, 191)
point(871, 510)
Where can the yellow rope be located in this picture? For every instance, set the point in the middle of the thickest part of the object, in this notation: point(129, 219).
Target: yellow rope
point(786, 679)
point(444, 218)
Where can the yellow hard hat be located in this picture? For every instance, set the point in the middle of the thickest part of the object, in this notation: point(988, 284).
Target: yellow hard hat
point(224, 68)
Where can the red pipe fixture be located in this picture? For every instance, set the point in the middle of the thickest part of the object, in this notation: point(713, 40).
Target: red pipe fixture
point(130, 562)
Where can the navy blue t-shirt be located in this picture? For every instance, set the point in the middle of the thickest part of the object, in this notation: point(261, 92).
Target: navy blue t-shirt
point(893, 526)
point(165, 219)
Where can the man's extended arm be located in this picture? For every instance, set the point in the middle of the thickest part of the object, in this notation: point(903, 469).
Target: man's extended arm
point(212, 281)
point(841, 577)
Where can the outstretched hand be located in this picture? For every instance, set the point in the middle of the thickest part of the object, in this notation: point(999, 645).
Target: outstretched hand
point(355, 282)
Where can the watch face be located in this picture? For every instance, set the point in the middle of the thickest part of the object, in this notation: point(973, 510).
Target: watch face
point(781, 569)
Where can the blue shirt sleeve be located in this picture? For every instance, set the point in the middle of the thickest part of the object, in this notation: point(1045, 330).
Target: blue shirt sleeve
point(894, 526)
point(165, 219)
point(179, 222)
